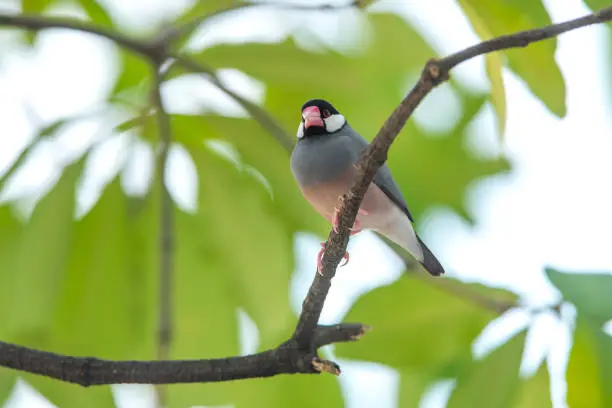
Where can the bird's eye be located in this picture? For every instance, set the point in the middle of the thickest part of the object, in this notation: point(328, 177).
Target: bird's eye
point(326, 113)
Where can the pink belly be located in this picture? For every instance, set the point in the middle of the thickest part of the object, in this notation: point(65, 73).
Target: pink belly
point(324, 197)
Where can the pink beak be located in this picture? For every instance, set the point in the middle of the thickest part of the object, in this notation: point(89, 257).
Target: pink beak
point(312, 117)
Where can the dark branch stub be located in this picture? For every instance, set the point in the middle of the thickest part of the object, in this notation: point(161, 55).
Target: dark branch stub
point(325, 366)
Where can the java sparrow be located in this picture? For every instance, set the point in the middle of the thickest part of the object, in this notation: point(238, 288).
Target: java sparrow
point(322, 163)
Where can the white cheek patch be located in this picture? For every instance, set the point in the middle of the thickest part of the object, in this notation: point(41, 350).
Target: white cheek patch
point(334, 123)
point(300, 131)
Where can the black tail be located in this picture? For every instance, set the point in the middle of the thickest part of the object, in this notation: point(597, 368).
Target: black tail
point(430, 263)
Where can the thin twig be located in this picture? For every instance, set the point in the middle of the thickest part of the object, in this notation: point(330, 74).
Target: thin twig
point(258, 113)
point(177, 33)
point(37, 22)
point(166, 233)
point(463, 291)
point(453, 286)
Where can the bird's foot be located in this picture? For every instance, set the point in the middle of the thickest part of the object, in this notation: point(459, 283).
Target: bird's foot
point(356, 226)
point(320, 259)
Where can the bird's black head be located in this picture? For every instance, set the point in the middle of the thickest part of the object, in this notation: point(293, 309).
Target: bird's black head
point(319, 117)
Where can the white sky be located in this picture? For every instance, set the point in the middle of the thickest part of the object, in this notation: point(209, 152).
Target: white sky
point(552, 210)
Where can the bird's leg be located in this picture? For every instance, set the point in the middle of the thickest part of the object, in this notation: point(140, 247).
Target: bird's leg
point(320, 259)
point(356, 226)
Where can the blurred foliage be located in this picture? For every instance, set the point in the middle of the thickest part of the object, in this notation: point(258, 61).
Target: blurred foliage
point(440, 348)
point(589, 372)
point(493, 65)
point(89, 286)
point(497, 373)
point(596, 5)
point(535, 64)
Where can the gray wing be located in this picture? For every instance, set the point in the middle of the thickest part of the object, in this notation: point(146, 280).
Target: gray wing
point(383, 178)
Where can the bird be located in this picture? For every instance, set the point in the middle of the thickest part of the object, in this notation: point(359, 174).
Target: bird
point(323, 164)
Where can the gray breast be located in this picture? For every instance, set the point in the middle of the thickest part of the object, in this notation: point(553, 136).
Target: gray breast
point(322, 158)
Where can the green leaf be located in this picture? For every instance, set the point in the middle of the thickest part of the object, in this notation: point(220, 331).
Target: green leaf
point(7, 382)
point(132, 84)
point(364, 4)
point(590, 293)
point(234, 253)
point(205, 8)
point(205, 310)
point(248, 241)
point(261, 151)
point(89, 290)
point(536, 63)
point(45, 132)
point(535, 391)
point(417, 325)
point(35, 6)
point(198, 13)
point(10, 229)
point(413, 384)
point(96, 13)
point(35, 269)
point(236, 212)
point(494, 65)
point(597, 5)
point(589, 372)
point(106, 300)
point(590, 368)
point(414, 153)
point(286, 391)
point(422, 351)
point(492, 382)
point(122, 273)
point(19, 160)
point(38, 268)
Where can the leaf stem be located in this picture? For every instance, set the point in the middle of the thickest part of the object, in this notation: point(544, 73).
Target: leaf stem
point(166, 234)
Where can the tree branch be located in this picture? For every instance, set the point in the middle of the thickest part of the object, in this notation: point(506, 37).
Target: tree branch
point(37, 22)
point(257, 112)
point(524, 38)
point(338, 333)
point(299, 353)
point(452, 286)
point(287, 358)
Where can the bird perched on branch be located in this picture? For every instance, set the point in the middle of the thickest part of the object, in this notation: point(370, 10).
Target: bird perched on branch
point(323, 162)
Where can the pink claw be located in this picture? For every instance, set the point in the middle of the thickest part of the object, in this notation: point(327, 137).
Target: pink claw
point(356, 226)
point(320, 259)
point(346, 258)
point(335, 220)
